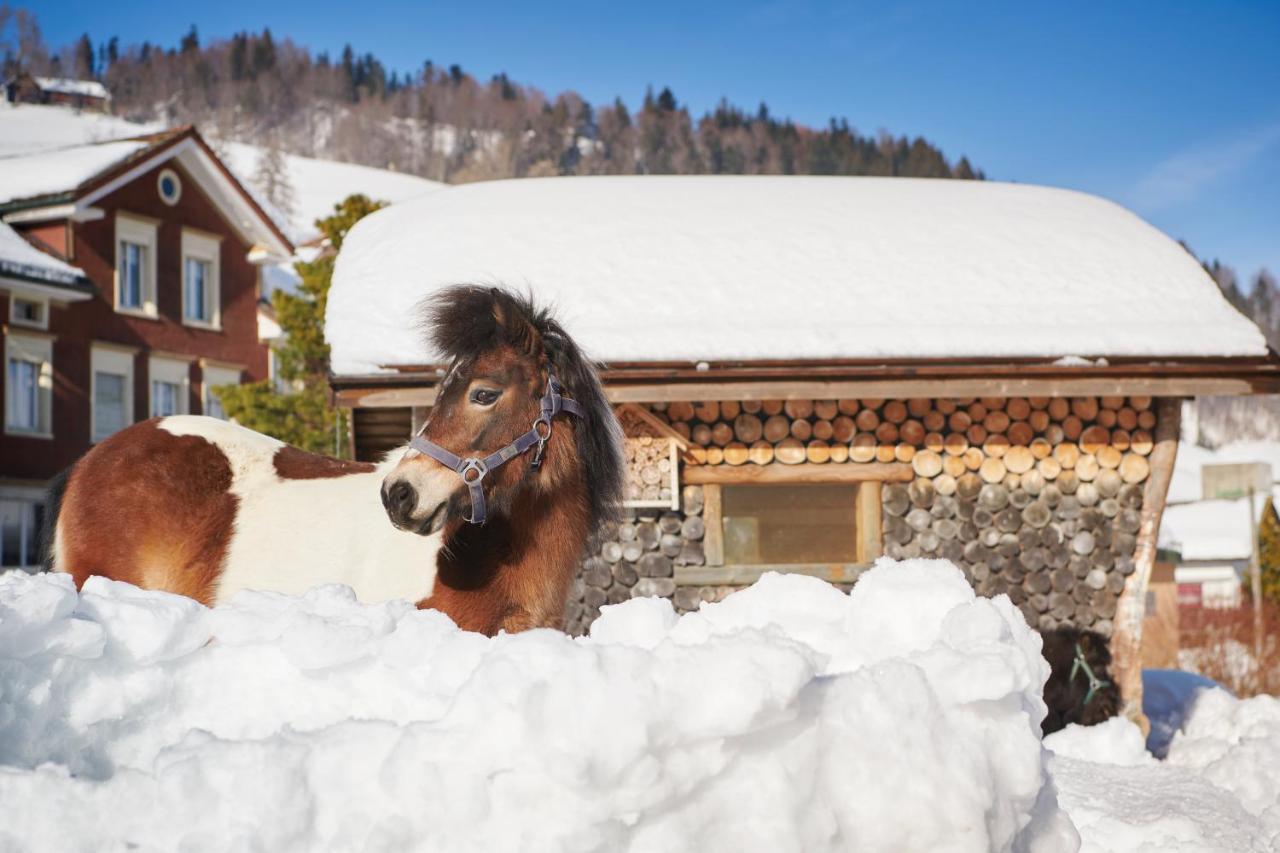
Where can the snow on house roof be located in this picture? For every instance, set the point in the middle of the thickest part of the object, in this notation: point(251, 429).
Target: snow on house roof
point(1211, 530)
point(20, 259)
point(29, 176)
point(753, 268)
point(1186, 483)
point(69, 86)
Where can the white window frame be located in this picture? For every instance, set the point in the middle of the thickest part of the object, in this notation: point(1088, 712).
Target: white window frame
point(141, 232)
point(201, 246)
point(213, 374)
point(41, 322)
point(105, 358)
point(33, 498)
point(172, 370)
point(39, 350)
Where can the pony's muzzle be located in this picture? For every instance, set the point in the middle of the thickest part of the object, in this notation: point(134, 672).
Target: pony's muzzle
point(402, 500)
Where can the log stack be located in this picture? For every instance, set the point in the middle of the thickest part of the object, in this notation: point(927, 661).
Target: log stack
point(1035, 497)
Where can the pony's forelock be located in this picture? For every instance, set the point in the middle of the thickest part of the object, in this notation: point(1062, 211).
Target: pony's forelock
point(464, 321)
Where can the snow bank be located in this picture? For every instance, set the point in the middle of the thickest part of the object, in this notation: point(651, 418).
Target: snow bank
point(788, 267)
point(788, 717)
point(1219, 789)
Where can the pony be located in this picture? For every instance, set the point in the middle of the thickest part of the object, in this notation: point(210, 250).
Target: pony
point(205, 508)
point(1080, 688)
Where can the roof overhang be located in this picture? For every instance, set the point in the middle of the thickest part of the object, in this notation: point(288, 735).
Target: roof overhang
point(667, 381)
point(68, 292)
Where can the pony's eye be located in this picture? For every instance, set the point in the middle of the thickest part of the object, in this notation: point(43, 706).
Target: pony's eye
point(485, 396)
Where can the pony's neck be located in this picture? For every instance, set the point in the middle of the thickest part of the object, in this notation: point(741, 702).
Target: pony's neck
point(514, 571)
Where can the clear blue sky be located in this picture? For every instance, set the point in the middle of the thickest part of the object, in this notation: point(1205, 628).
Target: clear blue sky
point(1170, 108)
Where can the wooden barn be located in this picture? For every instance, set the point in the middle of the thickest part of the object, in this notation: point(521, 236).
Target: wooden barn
point(817, 372)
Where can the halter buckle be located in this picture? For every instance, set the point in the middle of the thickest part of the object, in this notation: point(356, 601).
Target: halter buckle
point(473, 465)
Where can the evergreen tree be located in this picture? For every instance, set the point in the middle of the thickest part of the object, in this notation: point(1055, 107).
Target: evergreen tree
point(301, 416)
point(1269, 552)
point(84, 58)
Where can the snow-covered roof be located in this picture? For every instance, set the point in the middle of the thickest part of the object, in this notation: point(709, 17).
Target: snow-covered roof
point(20, 259)
point(1211, 530)
point(24, 176)
point(1186, 485)
point(69, 86)
point(753, 268)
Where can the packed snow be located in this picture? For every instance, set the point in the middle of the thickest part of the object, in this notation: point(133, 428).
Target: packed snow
point(59, 170)
point(1218, 790)
point(684, 268)
point(790, 716)
point(29, 128)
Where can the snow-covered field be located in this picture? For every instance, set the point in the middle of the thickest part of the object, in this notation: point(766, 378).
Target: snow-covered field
point(791, 716)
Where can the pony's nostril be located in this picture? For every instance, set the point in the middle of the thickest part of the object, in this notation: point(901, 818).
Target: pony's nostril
point(400, 499)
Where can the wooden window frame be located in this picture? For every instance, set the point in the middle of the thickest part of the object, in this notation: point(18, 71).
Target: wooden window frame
point(869, 544)
point(204, 248)
point(118, 361)
point(41, 322)
point(140, 231)
point(172, 371)
point(36, 349)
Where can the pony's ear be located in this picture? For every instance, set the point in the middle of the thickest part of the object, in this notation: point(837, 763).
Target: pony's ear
point(515, 325)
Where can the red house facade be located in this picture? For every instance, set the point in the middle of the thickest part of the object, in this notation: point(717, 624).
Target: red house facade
point(129, 285)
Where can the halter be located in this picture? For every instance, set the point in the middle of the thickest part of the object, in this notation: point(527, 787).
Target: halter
point(1095, 683)
point(474, 469)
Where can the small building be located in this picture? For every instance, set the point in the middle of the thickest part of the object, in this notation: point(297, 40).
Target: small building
point(26, 88)
point(814, 372)
point(129, 281)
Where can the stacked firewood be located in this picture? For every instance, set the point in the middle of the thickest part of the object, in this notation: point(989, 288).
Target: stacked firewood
point(648, 462)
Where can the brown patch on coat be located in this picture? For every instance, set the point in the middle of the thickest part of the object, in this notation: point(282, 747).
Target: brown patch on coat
point(150, 508)
point(294, 464)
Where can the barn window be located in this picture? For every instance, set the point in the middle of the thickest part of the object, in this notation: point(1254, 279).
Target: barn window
point(111, 391)
point(169, 386)
point(135, 265)
point(28, 388)
point(777, 524)
point(201, 290)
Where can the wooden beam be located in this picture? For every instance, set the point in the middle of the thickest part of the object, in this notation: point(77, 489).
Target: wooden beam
point(1126, 635)
point(867, 523)
point(806, 472)
point(713, 525)
point(746, 575)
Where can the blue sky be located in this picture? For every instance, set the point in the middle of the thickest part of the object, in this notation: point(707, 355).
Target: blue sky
point(1170, 108)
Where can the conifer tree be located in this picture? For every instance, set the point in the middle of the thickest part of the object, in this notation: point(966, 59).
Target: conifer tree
point(272, 178)
point(1269, 552)
point(301, 416)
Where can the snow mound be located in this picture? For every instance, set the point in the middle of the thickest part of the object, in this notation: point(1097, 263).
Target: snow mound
point(791, 716)
point(1116, 741)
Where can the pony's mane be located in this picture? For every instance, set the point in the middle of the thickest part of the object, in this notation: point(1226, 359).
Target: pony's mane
point(464, 321)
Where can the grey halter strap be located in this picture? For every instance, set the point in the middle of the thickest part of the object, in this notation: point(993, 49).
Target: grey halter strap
point(473, 469)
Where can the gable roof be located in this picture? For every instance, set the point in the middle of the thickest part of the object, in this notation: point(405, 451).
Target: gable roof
point(71, 86)
point(681, 270)
point(41, 184)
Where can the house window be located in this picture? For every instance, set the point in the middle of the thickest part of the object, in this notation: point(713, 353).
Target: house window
point(169, 386)
point(217, 377)
point(28, 388)
point(25, 311)
point(781, 524)
point(112, 391)
point(169, 186)
point(135, 265)
point(20, 521)
point(201, 290)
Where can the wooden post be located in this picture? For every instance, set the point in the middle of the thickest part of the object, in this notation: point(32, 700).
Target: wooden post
point(1126, 636)
point(1255, 580)
point(713, 514)
point(867, 526)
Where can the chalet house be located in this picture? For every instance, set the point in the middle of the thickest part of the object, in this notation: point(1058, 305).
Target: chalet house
point(129, 281)
point(814, 372)
point(26, 88)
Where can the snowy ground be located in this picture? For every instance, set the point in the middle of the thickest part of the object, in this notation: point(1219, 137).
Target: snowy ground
point(903, 716)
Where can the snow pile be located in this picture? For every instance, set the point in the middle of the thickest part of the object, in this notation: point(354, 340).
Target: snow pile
point(1218, 790)
point(791, 716)
point(788, 267)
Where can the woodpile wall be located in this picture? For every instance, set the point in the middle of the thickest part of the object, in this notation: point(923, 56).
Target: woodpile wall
point(1035, 497)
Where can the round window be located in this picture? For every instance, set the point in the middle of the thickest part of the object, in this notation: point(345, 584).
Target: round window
point(170, 186)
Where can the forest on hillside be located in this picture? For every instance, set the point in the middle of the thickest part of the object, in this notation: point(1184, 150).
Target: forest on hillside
point(440, 121)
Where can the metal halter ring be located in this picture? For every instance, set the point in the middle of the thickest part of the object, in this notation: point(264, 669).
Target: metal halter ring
point(542, 421)
point(476, 465)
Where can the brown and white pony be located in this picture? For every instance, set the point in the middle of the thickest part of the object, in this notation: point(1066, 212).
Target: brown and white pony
point(205, 508)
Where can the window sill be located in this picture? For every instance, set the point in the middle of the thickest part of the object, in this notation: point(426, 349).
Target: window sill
point(27, 324)
point(13, 432)
point(744, 575)
point(205, 327)
point(138, 312)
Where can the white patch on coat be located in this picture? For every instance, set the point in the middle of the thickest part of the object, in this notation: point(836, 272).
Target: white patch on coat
point(292, 535)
